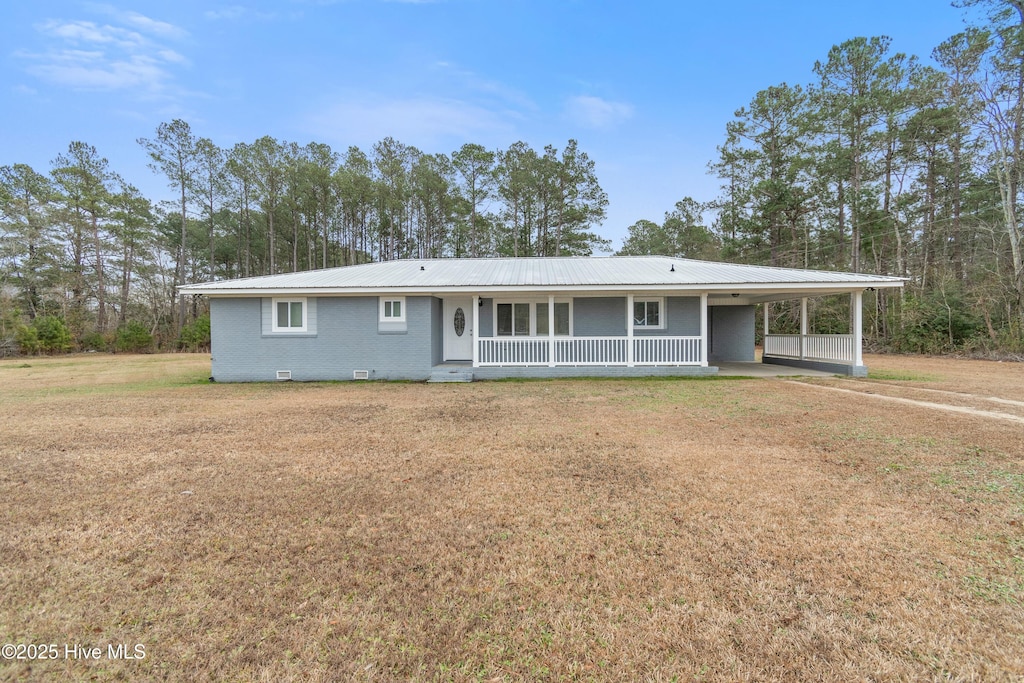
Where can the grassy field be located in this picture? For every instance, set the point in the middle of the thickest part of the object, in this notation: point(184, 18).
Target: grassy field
point(553, 530)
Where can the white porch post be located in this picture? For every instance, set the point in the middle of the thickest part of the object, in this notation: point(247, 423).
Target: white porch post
point(803, 328)
point(704, 329)
point(476, 331)
point(630, 361)
point(857, 304)
point(551, 331)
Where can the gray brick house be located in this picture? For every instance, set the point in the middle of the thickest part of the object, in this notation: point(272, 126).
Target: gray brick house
point(525, 317)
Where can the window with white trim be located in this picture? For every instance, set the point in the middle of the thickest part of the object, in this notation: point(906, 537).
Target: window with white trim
point(530, 318)
point(649, 314)
point(561, 319)
point(392, 310)
point(289, 315)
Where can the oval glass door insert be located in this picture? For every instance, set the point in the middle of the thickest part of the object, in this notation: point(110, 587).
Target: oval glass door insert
point(460, 322)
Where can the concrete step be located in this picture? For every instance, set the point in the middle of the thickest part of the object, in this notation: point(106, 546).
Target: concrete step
point(451, 375)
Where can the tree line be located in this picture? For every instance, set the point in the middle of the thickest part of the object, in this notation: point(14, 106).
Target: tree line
point(880, 164)
point(884, 165)
point(83, 250)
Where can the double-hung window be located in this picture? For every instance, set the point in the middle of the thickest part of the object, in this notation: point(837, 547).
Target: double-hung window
point(513, 320)
point(527, 318)
point(649, 313)
point(289, 315)
point(561, 318)
point(392, 310)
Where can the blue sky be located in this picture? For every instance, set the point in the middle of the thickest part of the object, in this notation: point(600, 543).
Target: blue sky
point(645, 87)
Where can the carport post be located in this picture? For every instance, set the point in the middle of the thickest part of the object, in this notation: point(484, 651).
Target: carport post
point(630, 360)
point(475, 332)
point(704, 329)
point(551, 331)
point(857, 304)
point(803, 327)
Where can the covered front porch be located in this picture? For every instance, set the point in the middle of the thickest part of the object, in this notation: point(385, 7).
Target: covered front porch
point(622, 334)
point(547, 336)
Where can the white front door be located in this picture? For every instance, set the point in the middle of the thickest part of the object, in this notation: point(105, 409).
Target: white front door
point(458, 328)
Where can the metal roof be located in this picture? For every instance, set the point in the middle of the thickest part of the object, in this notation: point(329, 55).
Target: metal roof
point(550, 273)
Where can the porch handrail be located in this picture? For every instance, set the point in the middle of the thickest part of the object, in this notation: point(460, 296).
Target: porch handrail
point(513, 351)
point(580, 351)
point(658, 350)
point(835, 348)
point(590, 350)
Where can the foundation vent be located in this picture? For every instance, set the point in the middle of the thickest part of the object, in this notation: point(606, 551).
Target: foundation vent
point(284, 375)
point(360, 374)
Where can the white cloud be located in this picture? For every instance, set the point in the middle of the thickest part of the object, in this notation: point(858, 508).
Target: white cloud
point(227, 13)
point(139, 21)
point(172, 56)
point(91, 71)
point(78, 32)
point(152, 26)
point(595, 112)
point(86, 55)
point(499, 93)
point(422, 121)
point(238, 12)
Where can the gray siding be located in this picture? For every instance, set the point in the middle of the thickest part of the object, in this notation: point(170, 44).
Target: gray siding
point(599, 316)
point(683, 318)
point(732, 333)
point(606, 317)
point(346, 339)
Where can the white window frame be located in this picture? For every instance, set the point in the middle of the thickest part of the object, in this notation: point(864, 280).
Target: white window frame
point(275, 327)
point(533, 303)
point(661, 313)
point(392, 318)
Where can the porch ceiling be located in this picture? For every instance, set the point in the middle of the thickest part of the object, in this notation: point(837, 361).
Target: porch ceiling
point(753, 297)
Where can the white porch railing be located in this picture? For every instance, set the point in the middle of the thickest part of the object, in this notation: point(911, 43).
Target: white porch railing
point(666, 350)
point(832, 348)
point(588, 351)
point(513, 351)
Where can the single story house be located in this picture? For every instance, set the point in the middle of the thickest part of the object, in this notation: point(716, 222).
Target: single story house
point(463, 319)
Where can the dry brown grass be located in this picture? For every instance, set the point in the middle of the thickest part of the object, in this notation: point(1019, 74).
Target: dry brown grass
point(560, 530)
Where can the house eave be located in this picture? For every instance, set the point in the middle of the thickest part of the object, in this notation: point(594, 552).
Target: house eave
point(748, 288)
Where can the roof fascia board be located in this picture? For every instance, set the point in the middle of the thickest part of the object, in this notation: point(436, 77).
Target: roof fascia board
point(752, 288)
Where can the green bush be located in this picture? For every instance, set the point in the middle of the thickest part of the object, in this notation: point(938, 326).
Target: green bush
point(934, 323)
point(52, 333)
point(27, 338)
point(133, 337)
point(95, 341)
point(196, 335)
